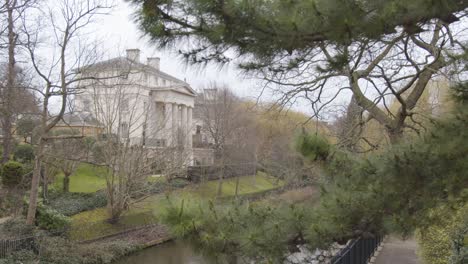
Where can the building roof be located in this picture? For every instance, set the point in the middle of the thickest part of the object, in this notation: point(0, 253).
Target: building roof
point(131, 65)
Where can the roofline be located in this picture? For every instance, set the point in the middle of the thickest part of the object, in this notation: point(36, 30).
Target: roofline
point(142, 65)
point(174, 90)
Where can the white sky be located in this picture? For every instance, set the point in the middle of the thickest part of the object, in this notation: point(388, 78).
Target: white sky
point(118, 32)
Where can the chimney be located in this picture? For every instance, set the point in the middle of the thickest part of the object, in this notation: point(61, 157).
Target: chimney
point(133, 55)
point(154, 62)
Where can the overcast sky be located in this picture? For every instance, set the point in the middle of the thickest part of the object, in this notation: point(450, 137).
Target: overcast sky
point(119, 32)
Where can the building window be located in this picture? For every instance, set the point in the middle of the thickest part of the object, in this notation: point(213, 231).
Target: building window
point(124, 75)
point(124, 130)
point(124, 105)
point(86, 104)
point(198, 131)
point(160, 143)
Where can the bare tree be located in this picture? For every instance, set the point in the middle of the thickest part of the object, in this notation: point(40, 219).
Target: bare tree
point(349, 128)
point(120, 115)
point(66, 21)
point(135, 142)
point(395, 68)
point(228, 126)
point(11, 12)
point(65, 154)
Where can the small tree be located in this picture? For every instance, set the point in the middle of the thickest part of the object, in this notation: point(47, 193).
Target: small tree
point(65, 154)
point(122, 148)
point(25, 128)
point(24, 153)
point(227, 125)
point(68, 21)
point(12, 174)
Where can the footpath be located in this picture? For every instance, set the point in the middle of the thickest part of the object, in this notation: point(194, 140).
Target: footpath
point(398, 251)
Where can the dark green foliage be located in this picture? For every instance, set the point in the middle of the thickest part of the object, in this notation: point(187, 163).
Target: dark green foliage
point(313, 146)
point(22, 256)
point(225, 231)
point(24, 153)
point(161, 186)
point(266, 28)
point(51, 220)
point(15, 228)
point(179, 183)
point(73, 203)
point(388, 192)
point(25, 127)
point(12, 173)
point(58, 250)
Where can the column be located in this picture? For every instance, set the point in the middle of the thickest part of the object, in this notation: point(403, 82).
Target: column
point(175, 114)
point(168, 123)
point(189, 127)
point(183, 124)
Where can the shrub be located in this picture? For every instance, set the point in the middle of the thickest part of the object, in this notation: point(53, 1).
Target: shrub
point(51, 220)
point(15, 227)
point(22, 256)
point(312, 146)
point(73, 203)
point(179, 183)
point(12, 173)
point(58, 250)
point(436, 241)
point(24, 153)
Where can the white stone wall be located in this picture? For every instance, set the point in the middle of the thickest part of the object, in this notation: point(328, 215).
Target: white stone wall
point(148, 104)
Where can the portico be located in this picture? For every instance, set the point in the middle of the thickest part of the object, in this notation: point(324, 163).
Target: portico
point(176, 124)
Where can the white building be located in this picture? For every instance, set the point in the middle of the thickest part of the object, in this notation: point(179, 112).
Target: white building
point(138, 101)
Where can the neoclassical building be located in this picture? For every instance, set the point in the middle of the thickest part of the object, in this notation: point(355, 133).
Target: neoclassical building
point(135, 100)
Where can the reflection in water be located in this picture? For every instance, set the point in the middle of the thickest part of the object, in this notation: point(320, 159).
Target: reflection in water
point(174, 252)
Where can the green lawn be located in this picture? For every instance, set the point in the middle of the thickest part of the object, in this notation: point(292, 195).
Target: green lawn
point(86, 179)
point(247, 185)
point(92, 224)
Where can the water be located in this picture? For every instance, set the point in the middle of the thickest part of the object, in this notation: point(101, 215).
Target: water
point(174, 252)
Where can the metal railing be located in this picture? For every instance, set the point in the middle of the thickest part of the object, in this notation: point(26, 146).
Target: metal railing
point(9, 246)
point(359, 251)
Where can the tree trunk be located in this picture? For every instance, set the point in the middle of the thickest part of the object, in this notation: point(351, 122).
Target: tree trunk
point(66, 182)
point(7, 96)
point(395, 135)
point(237, 187)
point(220, 186)
point(45, 182)
point(31, 217)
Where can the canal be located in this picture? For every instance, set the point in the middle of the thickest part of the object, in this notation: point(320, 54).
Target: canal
point(173, 252)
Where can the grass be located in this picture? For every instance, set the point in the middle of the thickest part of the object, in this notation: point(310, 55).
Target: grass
point(86, 179)
point(247, 185)
point(92, 224)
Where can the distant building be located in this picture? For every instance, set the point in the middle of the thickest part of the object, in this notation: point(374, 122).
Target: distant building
point(150, 107)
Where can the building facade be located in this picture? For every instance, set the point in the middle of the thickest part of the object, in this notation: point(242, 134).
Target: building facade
point(137, 101)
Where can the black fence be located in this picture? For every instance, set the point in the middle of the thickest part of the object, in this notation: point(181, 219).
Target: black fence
point(9, 246)
point(212, 172)
point(358, 251)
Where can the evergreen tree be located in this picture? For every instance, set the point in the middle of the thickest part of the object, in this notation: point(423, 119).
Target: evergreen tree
point(393, 192)
point(315, 49)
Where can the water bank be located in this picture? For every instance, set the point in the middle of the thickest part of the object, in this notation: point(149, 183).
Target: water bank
point(171, 252)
